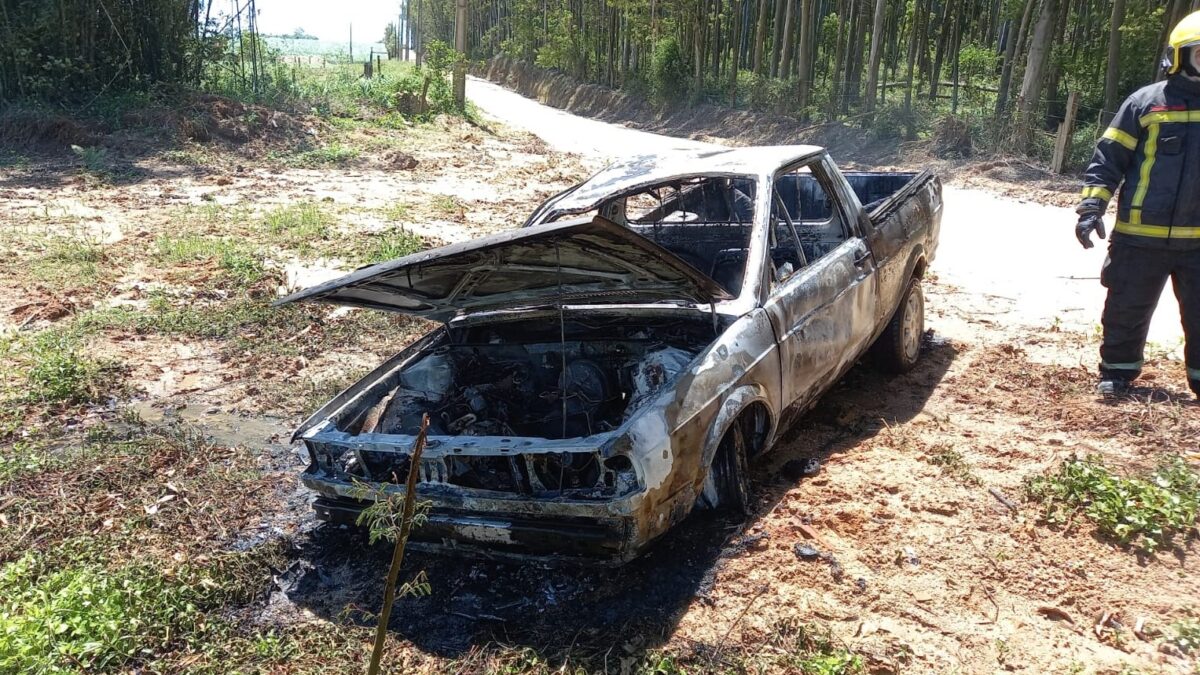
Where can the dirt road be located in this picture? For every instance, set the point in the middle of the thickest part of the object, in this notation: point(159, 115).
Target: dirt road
point(1017, 262)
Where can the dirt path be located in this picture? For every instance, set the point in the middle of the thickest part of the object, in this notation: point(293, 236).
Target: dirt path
point(1019, 258)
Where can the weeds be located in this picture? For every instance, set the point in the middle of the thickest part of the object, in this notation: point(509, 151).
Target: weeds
point(91, 616)
point(447, 204)
point(1186, 635)
point(397, 212)
point(70, 259)
point(59, 374)
point(94, 160)
point(330, 155)
point(298, 224)
point(1147, 512)
point(394, 244)
point(952, 463)
point(238, 262)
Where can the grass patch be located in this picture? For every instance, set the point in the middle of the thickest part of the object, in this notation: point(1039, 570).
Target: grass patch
point(298, 225)
point(93, 160)
point(393, 244)
point(237, 261)
point(70, 260)
point(333, 154)
point(51, 368)
point(91, 616)
point(397, 212)
point(952, 463)
point(1144, 511)
point(190, 157)
point(447, 204)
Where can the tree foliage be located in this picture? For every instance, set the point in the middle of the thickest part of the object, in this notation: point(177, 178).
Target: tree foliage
point(812, 58)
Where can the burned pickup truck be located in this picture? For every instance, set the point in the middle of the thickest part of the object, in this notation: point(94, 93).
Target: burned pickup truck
point(614, 364)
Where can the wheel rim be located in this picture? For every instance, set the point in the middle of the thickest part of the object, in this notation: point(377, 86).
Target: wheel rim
point(914, 320)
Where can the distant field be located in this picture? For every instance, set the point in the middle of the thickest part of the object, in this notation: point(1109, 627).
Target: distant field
point(294, 47)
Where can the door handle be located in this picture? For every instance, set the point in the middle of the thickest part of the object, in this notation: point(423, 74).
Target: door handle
point(861, 257)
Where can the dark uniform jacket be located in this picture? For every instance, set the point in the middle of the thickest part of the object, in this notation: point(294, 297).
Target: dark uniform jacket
point(1153, 147)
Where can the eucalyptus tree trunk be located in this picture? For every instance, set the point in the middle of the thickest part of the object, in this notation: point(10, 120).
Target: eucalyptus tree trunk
point(1112, 72)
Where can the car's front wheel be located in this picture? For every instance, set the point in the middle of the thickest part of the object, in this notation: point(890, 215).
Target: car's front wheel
point(727, 487)
point(897, 350)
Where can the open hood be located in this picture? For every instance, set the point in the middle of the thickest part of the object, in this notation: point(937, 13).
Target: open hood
point(591, 262)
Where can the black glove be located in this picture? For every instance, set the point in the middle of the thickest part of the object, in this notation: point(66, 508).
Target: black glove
point(1087, 223)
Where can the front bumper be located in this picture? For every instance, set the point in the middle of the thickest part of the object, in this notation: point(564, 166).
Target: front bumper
point(601, 531)
point(488, 535)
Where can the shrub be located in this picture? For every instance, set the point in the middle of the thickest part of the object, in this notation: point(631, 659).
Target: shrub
point(668, 72)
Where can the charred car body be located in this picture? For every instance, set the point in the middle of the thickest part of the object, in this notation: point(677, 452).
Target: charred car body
point(615, 363)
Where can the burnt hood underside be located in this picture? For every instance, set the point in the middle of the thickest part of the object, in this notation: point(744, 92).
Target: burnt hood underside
point(594, 261)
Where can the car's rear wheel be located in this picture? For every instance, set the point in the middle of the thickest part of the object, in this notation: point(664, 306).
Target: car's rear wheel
point(727, 487)
point(899, 348)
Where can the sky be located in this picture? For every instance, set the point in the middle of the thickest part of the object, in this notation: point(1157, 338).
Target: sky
point(326, 19)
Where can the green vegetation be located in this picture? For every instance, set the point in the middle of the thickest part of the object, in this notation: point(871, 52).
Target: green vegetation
point(1147, 511)
point(60, 374)
point(952, 463)
point(298, 225)
point(394, 244)
point(70, 260)
point(1001, 69)
point(1185, 634)
point(238, 260)
point(397, 212)
point(90, 617)
point(329, 155)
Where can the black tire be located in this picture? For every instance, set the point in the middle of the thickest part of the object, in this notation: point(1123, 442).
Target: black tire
point(899, 348)
point(728, 474)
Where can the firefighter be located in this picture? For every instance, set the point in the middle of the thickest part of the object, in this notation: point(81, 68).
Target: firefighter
point(1152, 150)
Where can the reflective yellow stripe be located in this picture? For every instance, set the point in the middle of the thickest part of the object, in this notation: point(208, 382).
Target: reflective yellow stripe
point(1193, 373)
point(1165, 116)
point(1101, 192)
point(1158, 231)
point(1115, 134)
point(1136, 365)
point(1139, 197)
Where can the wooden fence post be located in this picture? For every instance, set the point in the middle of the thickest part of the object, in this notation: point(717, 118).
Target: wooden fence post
point(1062, 144)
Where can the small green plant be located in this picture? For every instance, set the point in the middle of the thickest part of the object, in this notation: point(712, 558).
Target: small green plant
point(59, 374)
point(93, 159)
point(1147, 512)
point(73, 259)
point(393, 517)
point(396, 212)
point(242, 265)
point(394, 244)
point(447, 204)
point(56, 620)
point(300, 223)
point(237, 261)
point(1186, 635)
point(952, 463)
point(329, 155)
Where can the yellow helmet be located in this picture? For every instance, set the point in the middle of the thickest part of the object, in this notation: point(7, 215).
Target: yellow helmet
point(1186, 34)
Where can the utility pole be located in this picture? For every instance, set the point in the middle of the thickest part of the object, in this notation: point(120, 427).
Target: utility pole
point(460, 44)
point(351, 43)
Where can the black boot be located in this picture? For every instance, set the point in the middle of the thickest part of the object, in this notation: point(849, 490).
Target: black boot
point(1111, 385)
point(1195, 385)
